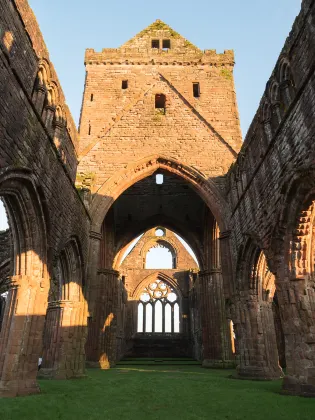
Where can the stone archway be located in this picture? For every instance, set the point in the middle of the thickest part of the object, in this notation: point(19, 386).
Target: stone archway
point(139, 170)
point(253, 315)
point(23, 323)
point(294, 257)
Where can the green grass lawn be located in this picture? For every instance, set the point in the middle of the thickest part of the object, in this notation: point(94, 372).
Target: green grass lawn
point(172, 392)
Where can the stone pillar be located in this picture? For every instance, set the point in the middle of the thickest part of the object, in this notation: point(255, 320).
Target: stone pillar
point(21, 336)
point(215, 334)
point(2, 309)
point(64, 340)
point(277, 112)
point(256, 339)
point(48, 117)
point(101, 346)
point(286, 92)
point(58, 129)
point(39, 96)
point(297, 308)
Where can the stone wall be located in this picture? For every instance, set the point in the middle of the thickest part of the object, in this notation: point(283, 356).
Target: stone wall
point(6, 259)
point(270, 189)
point(37, 171)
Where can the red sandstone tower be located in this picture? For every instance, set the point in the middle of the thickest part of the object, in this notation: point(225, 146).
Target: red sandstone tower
point(157, 104)
point(158, 94)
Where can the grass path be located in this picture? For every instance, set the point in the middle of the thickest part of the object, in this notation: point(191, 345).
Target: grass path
point(145, 393)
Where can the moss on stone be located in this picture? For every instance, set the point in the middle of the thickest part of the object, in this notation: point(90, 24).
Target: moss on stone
point(227, 74)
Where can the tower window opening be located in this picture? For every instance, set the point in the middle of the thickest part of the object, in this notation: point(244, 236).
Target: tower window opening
point(155, 43)
point(92, 97)
point(196, 90)
point(124, 84)
point(159, 232)
point(159, 179)
point(90, 129)
point(166, 44)
point(160, 101)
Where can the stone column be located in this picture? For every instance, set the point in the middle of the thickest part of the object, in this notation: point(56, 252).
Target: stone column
point(48, 117)
point(39, 96)
point(297, 309)
point(103, 325)
point(285, 88)
point(2, 309)
point(21, 336)
point(64, 340)
point(256, 339)
point(58, 130)
point(277, 112)
point(215, 334)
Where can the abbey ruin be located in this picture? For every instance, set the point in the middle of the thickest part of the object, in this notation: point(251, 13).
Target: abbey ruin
point(158, 153)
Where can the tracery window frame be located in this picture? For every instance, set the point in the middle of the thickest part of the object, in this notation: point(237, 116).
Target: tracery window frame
point(159, 291)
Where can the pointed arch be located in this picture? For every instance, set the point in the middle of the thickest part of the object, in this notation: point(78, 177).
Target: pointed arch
point(135, 172)
point(27, 220)
point(166, 222)
point(158, 275)
point(254, 275)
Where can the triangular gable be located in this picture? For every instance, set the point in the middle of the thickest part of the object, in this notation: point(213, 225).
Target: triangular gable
point(159, 30)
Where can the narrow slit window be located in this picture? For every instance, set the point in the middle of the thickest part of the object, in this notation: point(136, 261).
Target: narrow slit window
point(166, 44)
point(124, 84)
point(196, 90)
point(90, 130)
point(160, 101)
point(92, 97)
point(159, 179)
point(155, 43)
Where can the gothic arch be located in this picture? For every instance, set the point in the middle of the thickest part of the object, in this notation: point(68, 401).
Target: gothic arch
point(168, 223)
point(294, 224)
point(152, 278)
point(165, 242)
point(27, 220)
point(143, 168)
point(70, 272)
point(23, 321)
point(254, 275)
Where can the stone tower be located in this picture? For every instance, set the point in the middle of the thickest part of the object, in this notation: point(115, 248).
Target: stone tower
point(158, 94)
point(157, 105)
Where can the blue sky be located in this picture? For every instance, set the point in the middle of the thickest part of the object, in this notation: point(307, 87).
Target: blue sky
point(255, 29)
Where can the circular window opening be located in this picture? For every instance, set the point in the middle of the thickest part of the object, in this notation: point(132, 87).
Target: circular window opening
point(159, 232)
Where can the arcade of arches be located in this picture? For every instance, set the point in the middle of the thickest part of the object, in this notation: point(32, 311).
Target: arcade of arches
point(159, 158)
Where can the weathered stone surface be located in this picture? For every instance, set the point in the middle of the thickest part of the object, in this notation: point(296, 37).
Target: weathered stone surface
point(247, 210)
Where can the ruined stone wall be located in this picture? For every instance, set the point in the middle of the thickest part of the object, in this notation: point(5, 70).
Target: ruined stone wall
point(271, 192)
point(120, 126)
point(23, 46)
point(37, 171)
point(26, 142)
point(279, 144)
point(6, 259)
